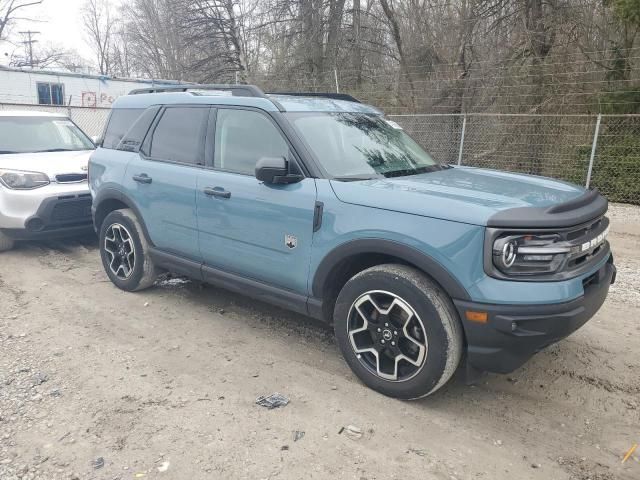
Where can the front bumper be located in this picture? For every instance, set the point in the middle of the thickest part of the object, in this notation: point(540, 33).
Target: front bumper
point(514, 333)
point(62, 215)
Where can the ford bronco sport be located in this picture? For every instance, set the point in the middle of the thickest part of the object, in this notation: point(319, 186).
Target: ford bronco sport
point(318, 204)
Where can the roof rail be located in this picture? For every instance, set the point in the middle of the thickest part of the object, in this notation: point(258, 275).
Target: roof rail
point(334, 96)
point(236, 90)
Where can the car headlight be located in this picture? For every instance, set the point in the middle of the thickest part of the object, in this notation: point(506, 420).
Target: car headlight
point(520, 255)
point(21, 180)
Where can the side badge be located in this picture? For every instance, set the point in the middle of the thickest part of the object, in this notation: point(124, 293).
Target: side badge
point(290, 241)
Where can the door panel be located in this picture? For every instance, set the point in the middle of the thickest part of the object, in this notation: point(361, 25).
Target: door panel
point(167, 204)
point(162, 178)
point(258, 231)
point(247, 232)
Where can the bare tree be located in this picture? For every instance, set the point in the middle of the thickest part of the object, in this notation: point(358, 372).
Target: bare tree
point(450, 56)
point(46, 56)
point(9, 10)
point(99, 26)
point(390, 13)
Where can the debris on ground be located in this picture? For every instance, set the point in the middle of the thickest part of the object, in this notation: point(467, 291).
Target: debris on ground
point(417, 451)
point(98, 463)
point(39, 378)
point(297, 435)
point(351, 431)
point(272, 401)
point(164, 466)
point(173, 282)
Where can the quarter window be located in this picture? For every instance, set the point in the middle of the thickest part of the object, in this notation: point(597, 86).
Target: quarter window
point(179, 134)
point(243, 137)
point(120, 122)
point(50, 93)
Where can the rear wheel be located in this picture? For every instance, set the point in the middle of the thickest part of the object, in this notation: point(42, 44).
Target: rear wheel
point(6, 243)
point(125, 252)
point(398, 331)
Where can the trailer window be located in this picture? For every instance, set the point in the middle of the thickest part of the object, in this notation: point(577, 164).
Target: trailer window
point(50, 93)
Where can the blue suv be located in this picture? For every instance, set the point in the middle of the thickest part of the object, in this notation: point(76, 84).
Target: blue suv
point(320, 205)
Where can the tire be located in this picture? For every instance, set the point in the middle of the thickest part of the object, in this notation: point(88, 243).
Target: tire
point(124, 251)
point(398, 305)
point(6, 243)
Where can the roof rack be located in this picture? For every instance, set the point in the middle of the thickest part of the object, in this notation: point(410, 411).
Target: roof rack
point(236, 90)
point(334, 96)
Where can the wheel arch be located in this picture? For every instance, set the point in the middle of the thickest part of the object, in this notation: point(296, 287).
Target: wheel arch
point(352, 257)
point(109, 200)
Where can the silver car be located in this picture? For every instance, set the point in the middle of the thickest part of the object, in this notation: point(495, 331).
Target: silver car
point(43, 177)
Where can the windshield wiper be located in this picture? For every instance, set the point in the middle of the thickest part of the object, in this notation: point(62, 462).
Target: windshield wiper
point(356, 178)
point(416, 171)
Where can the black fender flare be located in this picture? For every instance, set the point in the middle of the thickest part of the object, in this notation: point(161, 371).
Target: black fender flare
point(428, 265)
point(107, 194)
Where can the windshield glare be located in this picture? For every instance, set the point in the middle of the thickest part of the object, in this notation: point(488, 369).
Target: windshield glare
point(41, 134)
point(356, 145)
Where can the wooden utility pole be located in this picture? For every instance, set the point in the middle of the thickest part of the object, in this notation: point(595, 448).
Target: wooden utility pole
point(29, 44)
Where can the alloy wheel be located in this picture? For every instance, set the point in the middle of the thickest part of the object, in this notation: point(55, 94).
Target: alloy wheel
point(121, 251)
point(387, 336)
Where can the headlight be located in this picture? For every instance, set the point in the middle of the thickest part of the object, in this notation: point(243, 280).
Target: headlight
point(20, 180)
point(520, 255)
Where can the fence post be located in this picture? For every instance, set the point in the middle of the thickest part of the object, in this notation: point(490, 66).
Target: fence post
point(594, 146)
point(464, 128)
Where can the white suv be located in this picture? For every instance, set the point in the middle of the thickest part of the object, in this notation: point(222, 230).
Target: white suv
point(43, 177)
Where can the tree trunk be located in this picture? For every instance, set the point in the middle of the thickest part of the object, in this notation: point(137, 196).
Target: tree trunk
point(357, 47)
point(397, 38)
point(336, 10)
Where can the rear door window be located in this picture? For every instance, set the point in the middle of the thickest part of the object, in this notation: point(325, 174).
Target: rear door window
point(179, 135)
point(120, 122)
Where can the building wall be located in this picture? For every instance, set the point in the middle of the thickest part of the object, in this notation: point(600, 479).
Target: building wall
point(79, 90)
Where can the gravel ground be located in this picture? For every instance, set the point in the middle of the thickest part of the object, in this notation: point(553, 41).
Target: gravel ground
point(99, 384)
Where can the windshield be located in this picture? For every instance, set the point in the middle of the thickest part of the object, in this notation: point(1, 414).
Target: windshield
point(41, 134)
point(356, 145)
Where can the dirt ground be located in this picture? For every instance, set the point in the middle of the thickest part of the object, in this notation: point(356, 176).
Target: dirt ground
point(100, 384)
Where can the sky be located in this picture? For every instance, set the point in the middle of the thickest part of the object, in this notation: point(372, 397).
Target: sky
point(58, 21)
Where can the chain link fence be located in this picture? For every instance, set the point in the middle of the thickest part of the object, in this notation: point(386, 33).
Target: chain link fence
point(602, 151)
point(91, 120)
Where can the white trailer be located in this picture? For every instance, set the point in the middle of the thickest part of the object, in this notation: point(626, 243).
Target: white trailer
point(43, 87)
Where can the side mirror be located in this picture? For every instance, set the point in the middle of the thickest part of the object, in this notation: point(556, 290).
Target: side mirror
point(97, 140)
point(275, 170)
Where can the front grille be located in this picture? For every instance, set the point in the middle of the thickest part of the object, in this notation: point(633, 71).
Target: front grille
point(71, 177)
point(582, 237)
point(72, 210)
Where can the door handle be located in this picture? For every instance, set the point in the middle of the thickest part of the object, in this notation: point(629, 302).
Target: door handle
point(142, 178)
point(217, 192)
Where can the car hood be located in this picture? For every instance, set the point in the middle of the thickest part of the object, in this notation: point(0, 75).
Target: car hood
point(462, 194)
point(50, 163)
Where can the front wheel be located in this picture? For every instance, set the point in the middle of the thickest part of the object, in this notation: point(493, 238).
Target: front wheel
point(398, 331)
point(125, 252)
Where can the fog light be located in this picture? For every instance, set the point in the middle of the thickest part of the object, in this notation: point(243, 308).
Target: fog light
point(538, 258)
